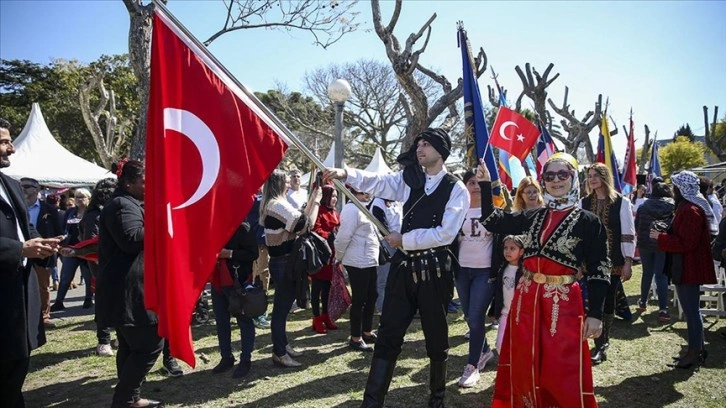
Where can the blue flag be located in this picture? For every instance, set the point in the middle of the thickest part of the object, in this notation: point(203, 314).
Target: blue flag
point(477, 134)
point(653, 166)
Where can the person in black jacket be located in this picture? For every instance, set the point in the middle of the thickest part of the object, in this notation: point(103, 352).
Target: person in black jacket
point(239, 254)
point(659, 207)
point(20, 314)
point(120, 286)
point(49, 223)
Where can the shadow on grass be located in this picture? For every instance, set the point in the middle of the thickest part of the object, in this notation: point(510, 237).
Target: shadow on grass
point(40, 360)
point(81, 392)
point(631, 393)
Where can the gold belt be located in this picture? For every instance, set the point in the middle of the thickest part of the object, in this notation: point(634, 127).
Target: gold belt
point(539, 277)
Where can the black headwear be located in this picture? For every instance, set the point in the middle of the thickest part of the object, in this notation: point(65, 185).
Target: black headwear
point(413, 175)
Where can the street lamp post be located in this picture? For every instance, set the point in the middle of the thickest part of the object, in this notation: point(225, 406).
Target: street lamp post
point(339, 92)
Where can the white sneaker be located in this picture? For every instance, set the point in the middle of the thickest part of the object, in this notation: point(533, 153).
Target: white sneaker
point(467, 334)
point(104, 350)
point(470, 377)
point(484, 359)
point(292, 352)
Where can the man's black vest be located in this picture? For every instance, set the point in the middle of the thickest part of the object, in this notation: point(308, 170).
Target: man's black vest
point(427, 211)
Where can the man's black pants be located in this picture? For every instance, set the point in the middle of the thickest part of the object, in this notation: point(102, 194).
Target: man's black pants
point(12, 377)
point(403, 296)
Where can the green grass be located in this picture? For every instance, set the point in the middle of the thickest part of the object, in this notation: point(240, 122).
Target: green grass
point(65, 373)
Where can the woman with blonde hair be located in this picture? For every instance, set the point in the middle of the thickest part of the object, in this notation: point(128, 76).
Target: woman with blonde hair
point(616, 213)
point(283, 224)
point(528, 196)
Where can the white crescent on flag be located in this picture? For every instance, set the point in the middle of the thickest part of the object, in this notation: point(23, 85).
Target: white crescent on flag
point(503, 128)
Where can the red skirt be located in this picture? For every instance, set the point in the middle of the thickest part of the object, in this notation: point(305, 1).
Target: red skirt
point(544, 362)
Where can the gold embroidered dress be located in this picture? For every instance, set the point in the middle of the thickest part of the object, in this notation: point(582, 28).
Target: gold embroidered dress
point(544, 362)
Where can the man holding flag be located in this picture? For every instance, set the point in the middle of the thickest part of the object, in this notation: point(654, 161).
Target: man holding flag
point(421, 279)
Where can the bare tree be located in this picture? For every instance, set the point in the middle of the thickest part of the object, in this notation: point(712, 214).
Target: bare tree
point(319, 17)
point(494, 94)
point(646, 149)
point(578, 130)
point(374, 115)
point(534, 86)
point(327, 21)
point(420, 114)
point(713, 141)
point(110, 140)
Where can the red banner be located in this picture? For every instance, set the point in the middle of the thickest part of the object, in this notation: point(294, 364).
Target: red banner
point(209, 148)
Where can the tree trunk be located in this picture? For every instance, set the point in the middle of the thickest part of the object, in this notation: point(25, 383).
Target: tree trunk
point(644, 153)
point(140, 59)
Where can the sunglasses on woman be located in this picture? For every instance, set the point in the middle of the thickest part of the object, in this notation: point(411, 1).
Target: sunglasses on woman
point(562, 175)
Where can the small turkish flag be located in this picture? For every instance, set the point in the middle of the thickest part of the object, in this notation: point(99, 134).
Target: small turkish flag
point(514, 133)
point(209, 148)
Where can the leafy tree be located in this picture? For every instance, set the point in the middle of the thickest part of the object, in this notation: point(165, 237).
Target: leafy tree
point(681, 154)
point(307, 119)
point(684, 130)
point(55, 87)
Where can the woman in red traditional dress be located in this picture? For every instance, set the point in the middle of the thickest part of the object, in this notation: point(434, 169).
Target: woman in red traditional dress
point(545, 360)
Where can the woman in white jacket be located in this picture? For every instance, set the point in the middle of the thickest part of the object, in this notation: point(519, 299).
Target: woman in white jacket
point(356, 246)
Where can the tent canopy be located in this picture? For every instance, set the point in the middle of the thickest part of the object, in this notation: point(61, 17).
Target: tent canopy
point(378, 164)
point(38, 155)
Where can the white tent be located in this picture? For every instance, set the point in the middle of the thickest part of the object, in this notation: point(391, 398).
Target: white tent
point(38, 155)
point(377, 164)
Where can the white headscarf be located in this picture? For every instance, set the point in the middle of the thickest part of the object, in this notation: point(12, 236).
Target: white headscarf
point(688, 184)
point(570, 199)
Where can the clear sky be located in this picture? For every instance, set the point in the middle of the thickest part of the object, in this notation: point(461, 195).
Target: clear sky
point(664, 59)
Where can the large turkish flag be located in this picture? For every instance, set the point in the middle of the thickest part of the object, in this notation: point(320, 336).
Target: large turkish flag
point(209, 148)
point(514, 133)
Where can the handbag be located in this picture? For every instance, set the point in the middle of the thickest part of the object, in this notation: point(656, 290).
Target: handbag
point(310, 253)
point(245, 301)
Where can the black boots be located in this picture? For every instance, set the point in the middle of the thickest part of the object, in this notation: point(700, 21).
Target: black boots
point(437, 384)
point(603, 342)
point(379, 378)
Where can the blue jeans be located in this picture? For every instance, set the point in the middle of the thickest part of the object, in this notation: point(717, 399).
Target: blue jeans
point(54, 273)
point(653, 265)
point(68, 272)
point(689, 296)
point(220, 306)
point(284, 296)
point(475, 293)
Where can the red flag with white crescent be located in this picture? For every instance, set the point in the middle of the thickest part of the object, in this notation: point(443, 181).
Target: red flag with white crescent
point(513, 133)
point(209, 148)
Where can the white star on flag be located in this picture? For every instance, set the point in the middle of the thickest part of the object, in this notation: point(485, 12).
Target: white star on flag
point(520, 138)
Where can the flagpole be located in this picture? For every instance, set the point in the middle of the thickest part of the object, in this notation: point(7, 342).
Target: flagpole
point(304, 149)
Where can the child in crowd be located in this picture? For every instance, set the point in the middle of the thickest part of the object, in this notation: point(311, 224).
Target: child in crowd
point(509, 275)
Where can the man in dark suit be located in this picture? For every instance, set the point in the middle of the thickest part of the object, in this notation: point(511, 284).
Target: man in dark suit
point(20, 313)
point(48, 222)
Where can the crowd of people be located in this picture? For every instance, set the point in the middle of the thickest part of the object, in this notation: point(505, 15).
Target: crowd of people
point(548, 270)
